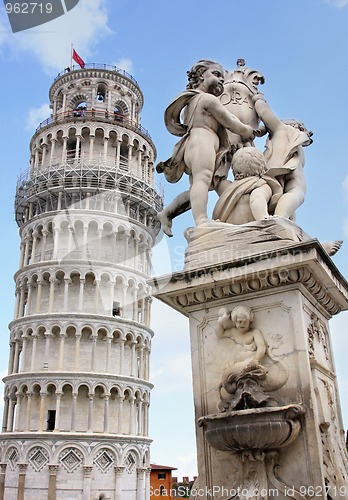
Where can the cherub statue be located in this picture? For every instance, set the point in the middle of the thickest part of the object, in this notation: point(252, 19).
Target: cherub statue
point(204, 140)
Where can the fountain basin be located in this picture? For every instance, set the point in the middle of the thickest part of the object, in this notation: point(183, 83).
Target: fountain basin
point(267, 428)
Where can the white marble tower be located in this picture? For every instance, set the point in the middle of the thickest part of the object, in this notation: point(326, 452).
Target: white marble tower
point(77, 393)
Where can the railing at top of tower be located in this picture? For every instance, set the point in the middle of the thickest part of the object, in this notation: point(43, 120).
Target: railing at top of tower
point(97, 66)
point(79, 115)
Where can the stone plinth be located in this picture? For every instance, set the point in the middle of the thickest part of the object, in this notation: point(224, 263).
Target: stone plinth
point(292, 292)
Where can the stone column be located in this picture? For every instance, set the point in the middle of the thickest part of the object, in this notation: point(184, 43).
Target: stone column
point(91, 147)
point(96, 295)
point(120, 414)
point(132, 415)
point(147, 483)
point(2, 480)
point(94, 338)
point(43, 245)
point(29, 297)
point(21, 301)
point(108, 352)
point(77, 350)
point(16, 356)
point(5, 414)
point(43, 396)
point(105, 151)
point(24, 353)
point(58, 401)
point(56, 233)
point(34, 336)
point(106, 413)
point(81, 292)
point(67, 282)
point(73, 411)
point(11, 357)
point(122, 342)
point(77, 151)
point(146, 418)
point(87, 479)
point(141, 484)
point(44, 152)
point(139, 172)
point(48, 336)
point(52, 482)
point(130, 151)
point(65, 143)
point(29, 397)
point(19, 397)
point(21, 480)
point(118, 483)
point(51, 294)
point(33, 248)
point(38, 296)
point(63, 336)
point(53, 145)
point(10, 413)
point(118, 153)
point(90, 412)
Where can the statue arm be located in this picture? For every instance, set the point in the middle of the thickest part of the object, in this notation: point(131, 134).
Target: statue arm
point(269, 118)
point(223, 323)
point(228, 120)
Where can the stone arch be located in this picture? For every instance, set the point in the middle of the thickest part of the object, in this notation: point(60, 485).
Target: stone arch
point(77, 100)
point(137, 455)
point(120, 108)
point(38, 454)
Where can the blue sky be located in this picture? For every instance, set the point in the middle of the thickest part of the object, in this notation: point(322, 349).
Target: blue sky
point(301, 48)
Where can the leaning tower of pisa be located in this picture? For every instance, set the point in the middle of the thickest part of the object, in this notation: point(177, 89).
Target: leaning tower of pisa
point(75, 422)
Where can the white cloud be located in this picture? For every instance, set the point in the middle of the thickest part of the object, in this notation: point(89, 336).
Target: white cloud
point(345, 181)
point(83, 26)
point(125, 64)
point(37, 115)
point(338, 3)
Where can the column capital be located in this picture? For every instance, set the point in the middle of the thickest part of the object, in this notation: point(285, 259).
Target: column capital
point(87, 470)
point(119, 470)
point(22, 468)
point(3, 468)
point(53, 469)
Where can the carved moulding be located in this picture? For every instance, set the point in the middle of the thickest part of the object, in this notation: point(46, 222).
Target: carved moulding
point(256, 435)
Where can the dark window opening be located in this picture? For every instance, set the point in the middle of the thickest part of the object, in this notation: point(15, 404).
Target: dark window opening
point(116, 309)
point(161, 475)
point(51, 420)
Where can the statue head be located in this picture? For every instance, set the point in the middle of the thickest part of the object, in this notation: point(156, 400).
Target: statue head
point(242, 311)
point(247, 162)
point(301, 127)
point(194, 75)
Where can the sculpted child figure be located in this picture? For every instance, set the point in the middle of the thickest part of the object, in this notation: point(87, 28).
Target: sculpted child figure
point(252, 373)
point(204, 140)
point(249, 346)
point(284, 156)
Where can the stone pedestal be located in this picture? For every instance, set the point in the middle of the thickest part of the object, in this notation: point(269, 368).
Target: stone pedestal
point(292, 446)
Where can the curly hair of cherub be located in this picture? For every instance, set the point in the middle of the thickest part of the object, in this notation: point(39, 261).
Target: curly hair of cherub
point(247, 162)
point(195, 73)
point(243, 311)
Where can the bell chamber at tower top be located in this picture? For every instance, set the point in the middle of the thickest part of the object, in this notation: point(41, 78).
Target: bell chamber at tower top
point(92, 141)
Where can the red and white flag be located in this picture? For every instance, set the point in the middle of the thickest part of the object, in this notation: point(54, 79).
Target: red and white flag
point(78, 59)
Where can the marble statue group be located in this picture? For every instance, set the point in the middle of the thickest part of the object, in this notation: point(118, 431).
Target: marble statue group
point(217, 117)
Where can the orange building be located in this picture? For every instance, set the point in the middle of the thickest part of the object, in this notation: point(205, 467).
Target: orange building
point(161, 482)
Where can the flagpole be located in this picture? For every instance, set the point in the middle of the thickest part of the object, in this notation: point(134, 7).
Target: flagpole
point(71, 52)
